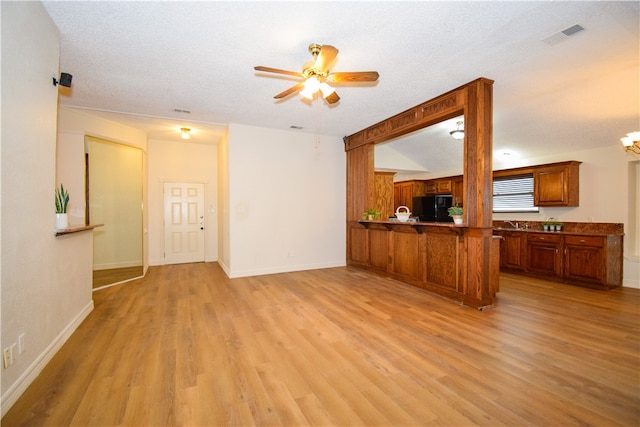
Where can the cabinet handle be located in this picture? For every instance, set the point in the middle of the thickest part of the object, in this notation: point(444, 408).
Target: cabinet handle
point(581, 240)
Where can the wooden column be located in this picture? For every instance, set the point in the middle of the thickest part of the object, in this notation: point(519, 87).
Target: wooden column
point(478, 135)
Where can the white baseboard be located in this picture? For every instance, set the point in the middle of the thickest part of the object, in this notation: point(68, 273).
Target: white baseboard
point(16, 389)
point(122, 264)
point(224, 267)
point(284, 269)
point(631, 276)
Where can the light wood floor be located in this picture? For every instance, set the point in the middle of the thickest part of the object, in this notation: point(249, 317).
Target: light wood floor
point(187, 346)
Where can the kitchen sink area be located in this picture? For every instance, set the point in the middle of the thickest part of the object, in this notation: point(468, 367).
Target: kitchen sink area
point(585, 254)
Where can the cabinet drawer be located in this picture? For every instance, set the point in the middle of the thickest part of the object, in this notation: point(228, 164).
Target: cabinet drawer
point(596, 241)
point(550, 238)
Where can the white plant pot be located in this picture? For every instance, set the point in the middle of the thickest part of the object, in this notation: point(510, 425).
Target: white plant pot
point(457, 219)
point(62, 221)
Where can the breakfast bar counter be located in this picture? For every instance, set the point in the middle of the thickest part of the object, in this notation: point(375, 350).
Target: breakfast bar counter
point(429, 255)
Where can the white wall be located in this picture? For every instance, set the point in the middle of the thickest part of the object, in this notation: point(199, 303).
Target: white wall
point(182, 162)
point(286, 201)
point(223, 203)
point(46, 280)
point(73, 125)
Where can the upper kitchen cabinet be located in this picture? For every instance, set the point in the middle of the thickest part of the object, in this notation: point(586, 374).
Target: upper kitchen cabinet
point(438, 186)
point(557, 184)
point(405, 191)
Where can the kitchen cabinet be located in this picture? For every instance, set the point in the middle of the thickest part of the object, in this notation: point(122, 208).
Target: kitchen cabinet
point(384, 194)
point(584, 258)
point(438, 186)
point(513, 250)
point(544, 254)
point(557, 184)
point(457, 191)
point(405, 191)
point(593, 260)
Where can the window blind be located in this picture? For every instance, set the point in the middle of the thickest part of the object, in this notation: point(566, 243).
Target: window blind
point(513, 194)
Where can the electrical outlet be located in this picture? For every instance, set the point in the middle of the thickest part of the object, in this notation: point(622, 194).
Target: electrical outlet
point(6, 357)
point(21, 348)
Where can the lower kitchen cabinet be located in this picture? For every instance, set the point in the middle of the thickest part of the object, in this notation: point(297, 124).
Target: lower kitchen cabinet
point(584, 258)
point(594, 260)
point(544, 254)
point(513, 250)
point(588, 260)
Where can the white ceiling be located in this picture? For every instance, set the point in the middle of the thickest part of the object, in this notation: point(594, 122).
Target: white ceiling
point(136, 62)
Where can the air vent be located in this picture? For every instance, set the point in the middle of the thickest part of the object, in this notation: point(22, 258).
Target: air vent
point(296, 127)
point(180, 110)
point(562, 35)
point(572, 30)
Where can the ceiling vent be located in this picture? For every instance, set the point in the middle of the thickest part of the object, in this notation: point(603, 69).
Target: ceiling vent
point(562, 35)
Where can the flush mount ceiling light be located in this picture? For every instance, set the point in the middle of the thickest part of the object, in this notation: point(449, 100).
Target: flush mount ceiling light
point(317, 76)
point(631, 142)
point(186, 133)
point(458, 132)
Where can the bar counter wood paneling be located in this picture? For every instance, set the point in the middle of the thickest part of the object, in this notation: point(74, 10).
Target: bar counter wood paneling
point(427, 255)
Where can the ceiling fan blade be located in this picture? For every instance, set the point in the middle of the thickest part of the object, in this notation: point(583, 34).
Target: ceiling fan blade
point(356, 76)
point(290, 90)
point(277, 71)
point(325, 58)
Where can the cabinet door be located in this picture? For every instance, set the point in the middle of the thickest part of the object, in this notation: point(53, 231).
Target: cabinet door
point(458, 191)
point(557, 186)
point(544, 254)
point(513, 251)
point(406, 196)
point(585, 259)
point(443, 186)
point(551, 187)
point(430, 187)
point(385, 194)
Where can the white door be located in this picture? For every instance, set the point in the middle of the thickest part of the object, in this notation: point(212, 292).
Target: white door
point(183, 223)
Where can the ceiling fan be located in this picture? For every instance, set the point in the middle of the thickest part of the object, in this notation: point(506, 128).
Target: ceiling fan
point(317, 77)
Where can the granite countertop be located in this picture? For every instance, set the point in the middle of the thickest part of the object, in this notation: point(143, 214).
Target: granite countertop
point(569, 228)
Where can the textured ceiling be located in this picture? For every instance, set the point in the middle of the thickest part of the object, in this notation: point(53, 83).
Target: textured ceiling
point(552, 92)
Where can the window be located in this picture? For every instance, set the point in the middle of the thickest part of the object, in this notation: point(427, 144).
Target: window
point(513, 194)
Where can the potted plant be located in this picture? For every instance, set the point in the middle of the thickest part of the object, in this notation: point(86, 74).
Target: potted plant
point(370, 214)
point(558, 225)
point(455, 212)
point(62, 201)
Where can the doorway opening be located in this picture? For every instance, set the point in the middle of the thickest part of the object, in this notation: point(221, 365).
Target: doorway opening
point(114, 198)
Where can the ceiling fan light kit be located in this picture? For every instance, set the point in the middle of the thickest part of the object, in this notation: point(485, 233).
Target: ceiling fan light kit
point(316, 75)
point(631, 142)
